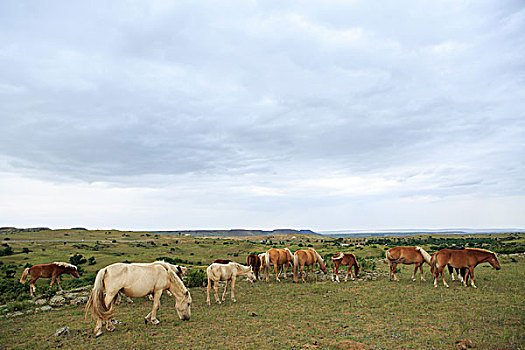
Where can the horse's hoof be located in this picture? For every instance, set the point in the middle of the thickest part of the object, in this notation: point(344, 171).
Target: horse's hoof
point(155, 321)
point(98, 334)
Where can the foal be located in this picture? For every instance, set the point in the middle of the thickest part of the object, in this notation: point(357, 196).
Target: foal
point(226, 272)
point(345, 259)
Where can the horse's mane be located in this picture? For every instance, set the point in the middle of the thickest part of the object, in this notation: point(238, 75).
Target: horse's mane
point(319, 257)
point(64, 264)
point(338, 256)
point(481, 250)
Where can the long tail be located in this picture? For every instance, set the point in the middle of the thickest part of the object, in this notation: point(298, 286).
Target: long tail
point(295, 266)
point(24, 275)
point(433, 263)
point(96, 303)
point(426, 256)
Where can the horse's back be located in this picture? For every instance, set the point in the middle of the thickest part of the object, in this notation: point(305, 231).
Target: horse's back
point(136, 280)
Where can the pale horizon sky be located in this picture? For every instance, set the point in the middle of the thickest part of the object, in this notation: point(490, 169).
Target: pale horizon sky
point(340, 115)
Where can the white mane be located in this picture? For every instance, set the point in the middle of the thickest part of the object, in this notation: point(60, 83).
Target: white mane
point(64, 264)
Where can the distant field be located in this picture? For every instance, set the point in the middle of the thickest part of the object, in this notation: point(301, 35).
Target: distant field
point(373, 313)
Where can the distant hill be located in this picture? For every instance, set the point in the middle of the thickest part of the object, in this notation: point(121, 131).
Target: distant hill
point(236, 232)
point(411, 232)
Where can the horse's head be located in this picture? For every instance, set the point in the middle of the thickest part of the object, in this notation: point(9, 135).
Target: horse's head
point(494, 261)
point(183, 305)
point(74, 272)
point(322, 265)
point(250, 275)
point(356, 270)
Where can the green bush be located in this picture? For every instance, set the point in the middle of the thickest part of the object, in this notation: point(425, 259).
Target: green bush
point(196, 278)
point(11, 289)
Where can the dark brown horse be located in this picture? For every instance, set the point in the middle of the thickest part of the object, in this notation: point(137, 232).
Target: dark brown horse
point(467, 258)
point(345, 259)
point(53, 271)
point(222, 261)
point(254, 261)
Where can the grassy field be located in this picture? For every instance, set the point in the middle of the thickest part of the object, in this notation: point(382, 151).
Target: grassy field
point(368, 314)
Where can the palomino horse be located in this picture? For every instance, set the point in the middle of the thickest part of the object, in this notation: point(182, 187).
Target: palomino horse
point(179, 270)
point(254, 261)
point(53, 270)
point(466, 258)
point(407, 256)
point(345, 259)
point(278, 257)
point(136, 280)
point(308, 257)
point(226, 272)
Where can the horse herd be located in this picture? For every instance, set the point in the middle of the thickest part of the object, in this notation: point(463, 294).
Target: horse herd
point(152, 279)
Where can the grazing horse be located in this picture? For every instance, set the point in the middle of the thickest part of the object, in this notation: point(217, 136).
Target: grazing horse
point(306, 257)
point(53, 270)
point(255, 262)
point(262, 257)
point(467, 258)
point(407, 256)
point(345, 259)
point(136, 280)
point(179, 270)
point(226, 272)
point(459, 272)
point(278, 257)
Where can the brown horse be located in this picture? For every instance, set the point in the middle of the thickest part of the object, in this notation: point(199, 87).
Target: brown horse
point(278, 257)
point(254, 261)
point(308, 258)
point(407, 256)
point(263, 269)
point(222, 261)
point(467, 258)
point(345, 259)
point(53, 271)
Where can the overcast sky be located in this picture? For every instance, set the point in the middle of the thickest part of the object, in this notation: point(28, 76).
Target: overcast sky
point(244, 114)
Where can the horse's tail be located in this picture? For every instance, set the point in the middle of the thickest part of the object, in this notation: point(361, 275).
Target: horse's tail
point(433, 263)
point(426, 256)
point(295, 266)
point(24, 275)
point(96, 302)
point(291, 255)
point(267, 259)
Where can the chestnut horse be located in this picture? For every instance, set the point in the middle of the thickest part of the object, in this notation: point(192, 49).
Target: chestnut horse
point(467, 258)
point(222, 261)
point(226, 272)
point(136, 280)
point(407, 256)
point(345, 259)
point(308, 258)
point(278, 257)
point(254, 261)
point(53, 270)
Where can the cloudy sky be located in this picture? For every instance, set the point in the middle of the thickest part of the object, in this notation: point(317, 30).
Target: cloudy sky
point(245, 114)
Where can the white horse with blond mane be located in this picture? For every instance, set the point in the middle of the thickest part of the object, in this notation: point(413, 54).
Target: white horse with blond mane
point(136, 280)
point(226, 272)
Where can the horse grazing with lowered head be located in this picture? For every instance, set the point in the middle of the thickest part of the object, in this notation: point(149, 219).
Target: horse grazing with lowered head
point(408, 256)
point(306, 257)
point(278, 257)
point(345, 259)
point(254, 261)
point(53, 271)
point(226, 272)
point(467, 258)
point(136, 280)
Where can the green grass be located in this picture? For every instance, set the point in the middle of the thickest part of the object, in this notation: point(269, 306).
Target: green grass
point(364, 314)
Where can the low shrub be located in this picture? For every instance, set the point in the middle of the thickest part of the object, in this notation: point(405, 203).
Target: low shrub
point(196, 278)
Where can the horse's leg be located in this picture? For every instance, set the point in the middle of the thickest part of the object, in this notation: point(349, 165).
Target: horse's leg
point(216, 291)
point(394, 266)
point(442, 271)
point(389, 270)
point(275, 271)
point(460, 273)
point(347, 273)
point(32, 288)
point(208, 292)
point(233, 289)
point(451, 271)
point(52, 280)
point(58, 282)
point(285, 270)
point(225, 288)
point(421, 270)
point(471, 273)
point(336, 267)
point(108, 300)
point(414, 274)
point(302, 277)
point(98, 328)
point(152, 316)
